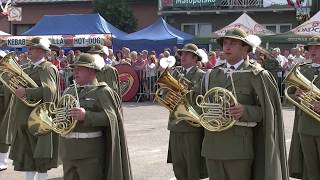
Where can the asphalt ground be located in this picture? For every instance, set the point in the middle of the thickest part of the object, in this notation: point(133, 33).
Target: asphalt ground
point(147, 136)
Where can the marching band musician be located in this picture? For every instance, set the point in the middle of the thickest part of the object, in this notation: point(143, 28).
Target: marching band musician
point(96, 148)
point(35, 154)
point(4, 104)
point(108, 74)
point(304, 162)
point(185, 139)
point(253, 148)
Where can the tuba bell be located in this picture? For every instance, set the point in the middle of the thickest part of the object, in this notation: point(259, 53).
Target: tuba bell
point(215, 104)
point(49, 116)
point(311, 93)
point(172, 94)
point(13, 77)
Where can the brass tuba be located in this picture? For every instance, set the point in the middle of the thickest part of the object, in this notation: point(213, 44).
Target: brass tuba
point(311, 92)
point(172, 95)
point(215, 104)
point(49, 116)
point(13, 77)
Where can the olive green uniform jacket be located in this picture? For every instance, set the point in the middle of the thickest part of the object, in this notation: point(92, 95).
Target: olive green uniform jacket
point(195, 76)
point(269, 156)
point(109, 75)
point(303, 123)
point(28, 152)
point(117, 157)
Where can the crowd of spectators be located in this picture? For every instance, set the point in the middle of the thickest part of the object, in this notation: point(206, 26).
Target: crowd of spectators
point(147, 63)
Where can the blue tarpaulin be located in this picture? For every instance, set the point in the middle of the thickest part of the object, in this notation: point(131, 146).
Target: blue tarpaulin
point(73, 24)
point(157, 36)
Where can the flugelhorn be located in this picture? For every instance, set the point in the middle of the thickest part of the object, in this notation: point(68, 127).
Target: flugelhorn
point(311, 93)
point(49, 116)
point(13, 77)
point(172, 94)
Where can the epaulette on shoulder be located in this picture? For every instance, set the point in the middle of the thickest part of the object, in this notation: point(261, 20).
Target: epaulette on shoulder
point(101, 84)
point(255, 67)
point(218, 66)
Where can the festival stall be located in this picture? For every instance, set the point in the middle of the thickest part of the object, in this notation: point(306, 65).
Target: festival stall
point(157, 36)
point(69, 30)
point(247, 24)
point(298, 35)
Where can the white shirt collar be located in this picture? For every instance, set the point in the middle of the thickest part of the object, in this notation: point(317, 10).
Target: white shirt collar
point(38, 62)
point(189, 69)
point(235, 65)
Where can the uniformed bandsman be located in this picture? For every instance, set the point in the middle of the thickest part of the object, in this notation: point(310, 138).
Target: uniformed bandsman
point(253, 148)
point(96, 148)
point(4, 103)
point(304, 162)
point(108, 74)
point(35, 154)
point(185, 140)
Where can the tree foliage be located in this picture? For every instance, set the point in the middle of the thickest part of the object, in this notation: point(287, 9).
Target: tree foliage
point(117, 13)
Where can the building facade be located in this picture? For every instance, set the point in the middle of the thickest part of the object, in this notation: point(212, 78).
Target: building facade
point(33, 10)
point(203, 17)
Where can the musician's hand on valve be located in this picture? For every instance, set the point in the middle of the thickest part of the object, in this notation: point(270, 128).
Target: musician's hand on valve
point(21, 92)
point(236, 111)
point(316, 106)
point(78, 113)
point(299, 93)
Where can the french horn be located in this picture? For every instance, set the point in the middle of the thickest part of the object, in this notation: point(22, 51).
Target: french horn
point(49, 116)
point(214, 105)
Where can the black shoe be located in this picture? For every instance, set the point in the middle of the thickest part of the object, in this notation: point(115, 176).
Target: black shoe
point(3, 169)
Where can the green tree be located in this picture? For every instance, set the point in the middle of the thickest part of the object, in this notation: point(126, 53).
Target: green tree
point(117, 13)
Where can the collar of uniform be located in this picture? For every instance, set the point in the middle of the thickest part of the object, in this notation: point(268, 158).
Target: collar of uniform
point(38, 62)
point(236, 66)
point(189, 69)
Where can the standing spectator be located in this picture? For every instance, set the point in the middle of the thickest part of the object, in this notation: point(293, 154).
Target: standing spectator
point(212, 60)
point(297, 58)
point(166, 54)
point(150, 75)
point(126, 54)
point(289, 65)
point(77, 53)
point(286, 53)
point(221, 58)
point(133, 56)
point(145, 55)
point(62, 58)
point(119, 58)
point(277, 54)
point(307, 57)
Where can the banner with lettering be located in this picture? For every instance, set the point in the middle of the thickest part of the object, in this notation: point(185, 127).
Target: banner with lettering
point(83, 40)
point(194, 3)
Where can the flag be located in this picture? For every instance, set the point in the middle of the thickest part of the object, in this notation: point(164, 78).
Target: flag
point(290, 3)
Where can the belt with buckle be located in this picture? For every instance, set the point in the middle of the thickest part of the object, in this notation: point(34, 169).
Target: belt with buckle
point(246, 124)
point(83, 135)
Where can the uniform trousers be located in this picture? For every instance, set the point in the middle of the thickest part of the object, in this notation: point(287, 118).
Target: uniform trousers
point(186, 154)
point(311, 154)
point(84, 169)
point(229, 169)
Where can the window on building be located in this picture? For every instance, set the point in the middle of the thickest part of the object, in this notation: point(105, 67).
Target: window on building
point(197, 29)
point(18, 29)
point(278, 28)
